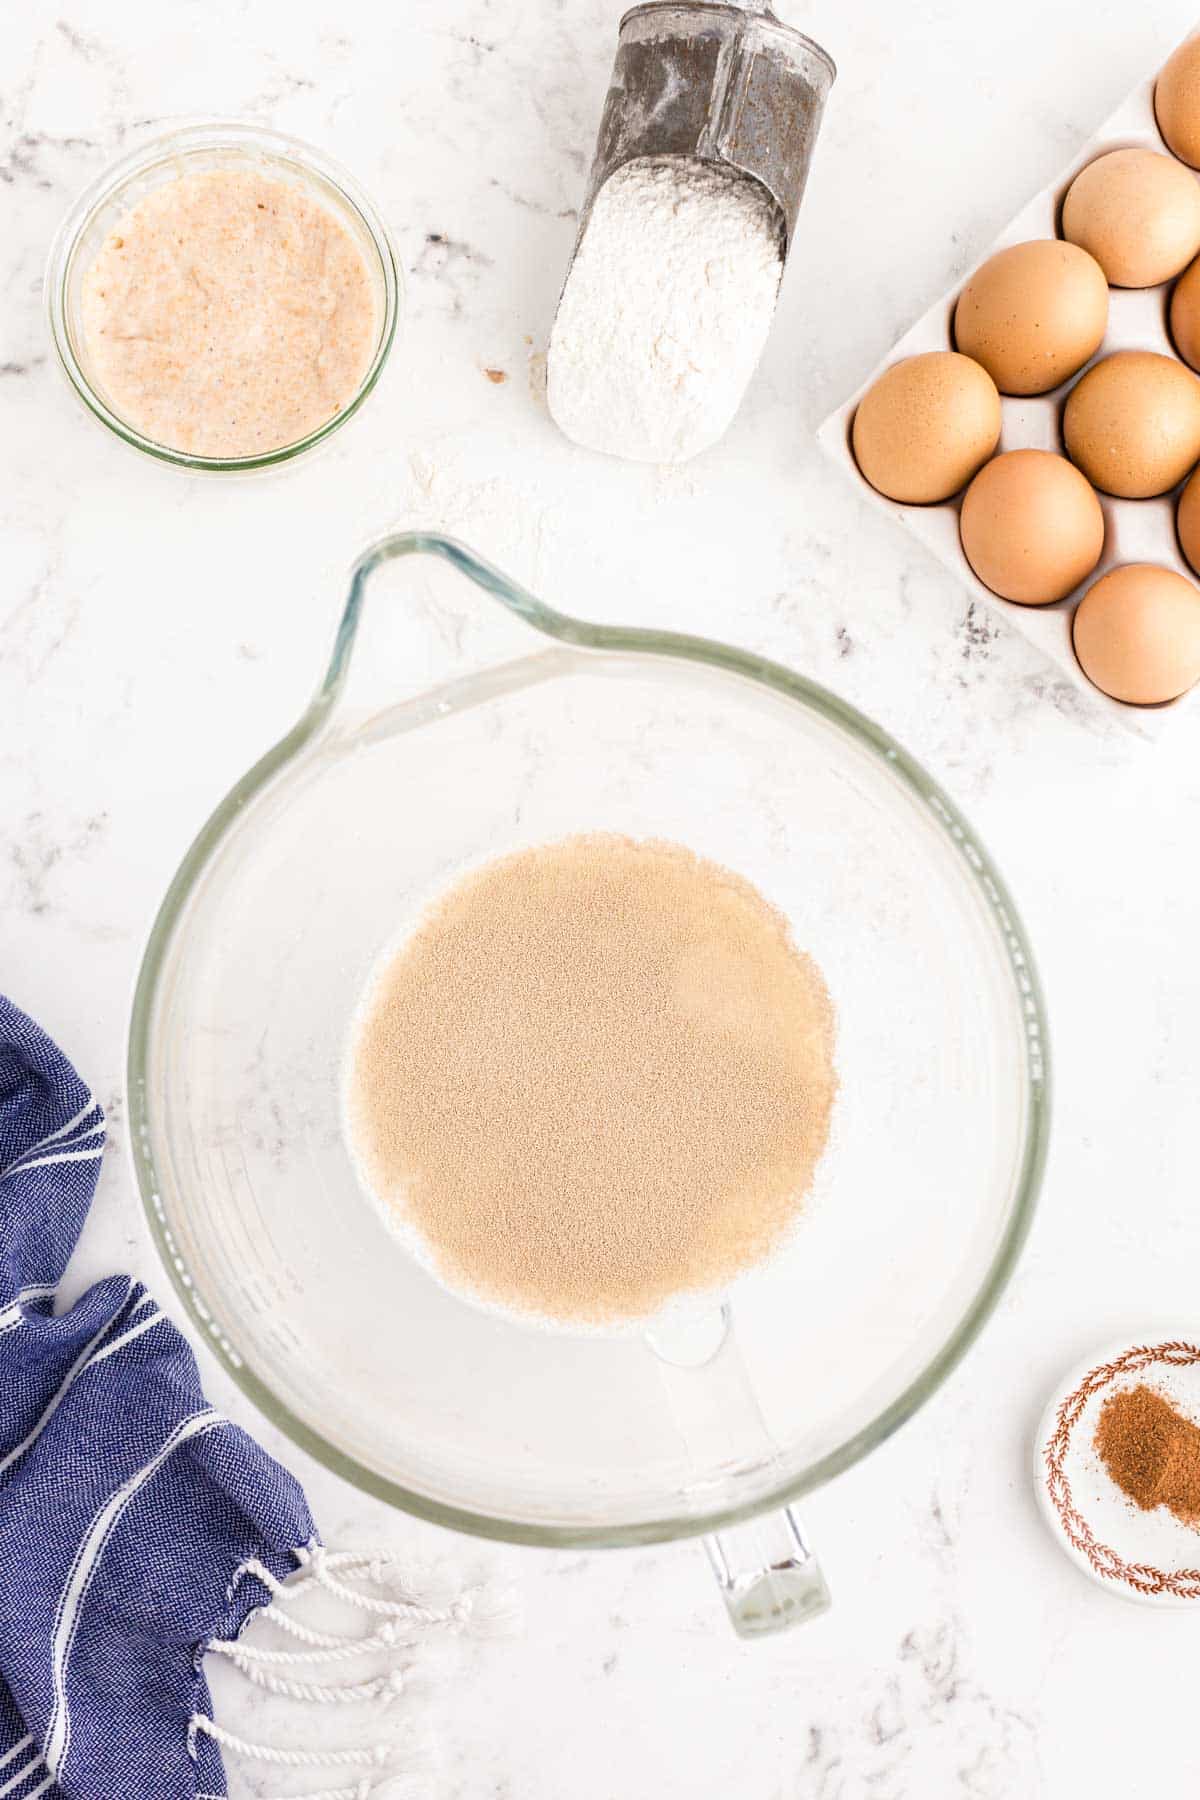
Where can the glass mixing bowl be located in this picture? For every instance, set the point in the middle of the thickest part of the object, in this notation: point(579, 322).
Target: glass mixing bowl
point(461, 718)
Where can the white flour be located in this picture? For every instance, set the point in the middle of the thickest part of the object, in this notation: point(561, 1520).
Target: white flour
point(665, 311)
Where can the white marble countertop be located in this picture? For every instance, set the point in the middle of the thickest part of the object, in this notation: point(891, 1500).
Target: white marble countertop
point(158, 632)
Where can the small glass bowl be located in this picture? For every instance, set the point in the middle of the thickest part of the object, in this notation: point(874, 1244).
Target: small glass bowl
point(189, 151)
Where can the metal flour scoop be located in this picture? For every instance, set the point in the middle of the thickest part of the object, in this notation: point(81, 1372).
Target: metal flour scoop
point(713, 113)
point(730, 85)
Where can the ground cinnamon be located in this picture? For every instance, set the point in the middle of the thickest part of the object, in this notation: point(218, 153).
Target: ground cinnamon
point(1151, 1451)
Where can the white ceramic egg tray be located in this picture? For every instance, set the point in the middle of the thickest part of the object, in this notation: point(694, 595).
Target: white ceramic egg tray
point(1134, 530)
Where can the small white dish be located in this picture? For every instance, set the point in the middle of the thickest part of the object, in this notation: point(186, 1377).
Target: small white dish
point(1142, 1555)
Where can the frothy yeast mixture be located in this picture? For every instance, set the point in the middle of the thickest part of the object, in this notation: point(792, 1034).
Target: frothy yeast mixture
point(599, 1073)
point(228, 314)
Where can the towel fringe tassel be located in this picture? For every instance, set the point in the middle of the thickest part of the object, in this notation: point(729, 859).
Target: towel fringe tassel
point(404, 1621)
point(383, 1782)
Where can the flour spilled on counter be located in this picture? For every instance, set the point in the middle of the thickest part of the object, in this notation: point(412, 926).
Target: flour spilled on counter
point(598, 1075)
point(665, 311)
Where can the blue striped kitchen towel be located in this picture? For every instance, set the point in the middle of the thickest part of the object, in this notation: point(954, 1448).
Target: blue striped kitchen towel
point(131, 1513)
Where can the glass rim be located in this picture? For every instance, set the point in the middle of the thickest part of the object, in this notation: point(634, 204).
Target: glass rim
point(195, 139)
point(999, 909)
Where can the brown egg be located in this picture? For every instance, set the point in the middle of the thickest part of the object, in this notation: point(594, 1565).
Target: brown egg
point(1033, 315)
point(1177, 102)
point(1138, 213)
point(1032, 528)
point(1132, 423)
point(1185, 314)
point(1187, 522)
point(925, 427)
point(1137, 634)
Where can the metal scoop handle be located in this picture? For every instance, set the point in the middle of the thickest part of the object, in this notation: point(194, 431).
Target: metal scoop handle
point(719, 83)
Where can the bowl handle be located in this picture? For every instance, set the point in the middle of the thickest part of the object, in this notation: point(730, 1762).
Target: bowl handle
point(767, 1574)
point(765, 1568)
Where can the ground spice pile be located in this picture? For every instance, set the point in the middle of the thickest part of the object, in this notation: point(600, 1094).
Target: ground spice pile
point(597, 1074)
point(1151, 1451)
